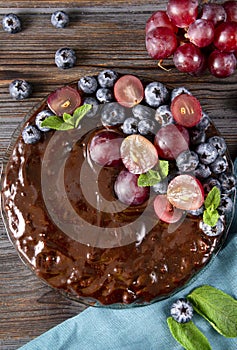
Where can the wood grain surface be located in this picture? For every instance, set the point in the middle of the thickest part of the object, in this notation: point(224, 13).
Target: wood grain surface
point(103, 34)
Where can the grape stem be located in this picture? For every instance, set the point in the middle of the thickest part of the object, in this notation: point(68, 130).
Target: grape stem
point(162, 67)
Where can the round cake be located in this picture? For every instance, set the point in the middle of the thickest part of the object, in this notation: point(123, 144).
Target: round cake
point(117, 191)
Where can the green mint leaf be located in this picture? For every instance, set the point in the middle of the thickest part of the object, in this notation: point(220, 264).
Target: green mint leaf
point(217, 307)
point(67, 117)
point(213, 198)
point(210, 216)
point(152, 177)
point(188, 335)
point(56, 123)
point(79, 113)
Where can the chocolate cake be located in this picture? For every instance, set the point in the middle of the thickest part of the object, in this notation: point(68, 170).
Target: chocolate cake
point(64, 213)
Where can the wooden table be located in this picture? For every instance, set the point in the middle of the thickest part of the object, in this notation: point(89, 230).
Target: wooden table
point(103, 34)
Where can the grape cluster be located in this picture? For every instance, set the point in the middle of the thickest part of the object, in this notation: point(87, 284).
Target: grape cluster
point(197, 37)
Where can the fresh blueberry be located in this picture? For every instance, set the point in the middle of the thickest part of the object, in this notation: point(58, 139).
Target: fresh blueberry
point(228, 182)
point(65, 58)
point(197, 136)
point(59, 19)
point(113, 114)
point(178, 91)
point(11, 23)
point(160, 187)
point(210, 183)
point(219, 165)
point(226, 205)
point(204, 122)
point(95, 106)
point(187, 161)
point(156, 94)
point(147, 126)
point(212, 230)
point(143, 112)
point(31, 134)
point(130, 126)
point(164, 116)
point(104, 95)
point(41, 116)
point(20, 89)
point(207, 153)
point(88, 84)
point(202, 171)
point(182, 310)
point(197, 212)
point(219, 143)
point(107, 78)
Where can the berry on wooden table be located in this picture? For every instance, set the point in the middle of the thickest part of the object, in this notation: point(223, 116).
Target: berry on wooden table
point(11, 23)
point(20, 89)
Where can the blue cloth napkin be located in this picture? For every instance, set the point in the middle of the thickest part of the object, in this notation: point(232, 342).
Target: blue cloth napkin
point(144, 328)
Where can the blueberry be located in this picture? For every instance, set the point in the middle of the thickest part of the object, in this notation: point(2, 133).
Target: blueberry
point(113, 114)
point(164, 115)
point(202, 171)
point(187, 161)
point(197, 212)
point(20, 89)
point(156, 94)
point(207, 153)
point(204, 122)
point(160, 187)
point(11, 23)
point(95, 106)
point(226, 205)
point(210, 183)
point(143, 112)
point(31, 134)
point(147, 126)
point(219, 143)
point(219, 165)
point(228, 182)
point(182, 310)
point(104, 95)
point(178, 91)
point(40, 117)
point(197, 136)
point(130, 126)
point(88, 84)
point(107, 78)
point(212, 230)
point(59, 19)
point(65, 58)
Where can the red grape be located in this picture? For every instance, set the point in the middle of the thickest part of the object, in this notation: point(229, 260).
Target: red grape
point(165, 210)
point(171, 140)
point(160, 19)
point(186, 110)
point(226, 37)
point(161, 42)
point(185, 192)
point(188, 58)
point(138, 154)
point(221, 64)
point(128, 90)
point(201, 32)
point(104, 148)
point(127, 189)
point(214, 12)
point(182, 12)
point(64, 100)
point(231, 10)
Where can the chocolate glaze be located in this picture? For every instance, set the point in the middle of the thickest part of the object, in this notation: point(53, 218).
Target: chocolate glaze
point(138, 271)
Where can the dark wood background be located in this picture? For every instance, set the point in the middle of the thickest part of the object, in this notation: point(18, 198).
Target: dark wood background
point(103, 34)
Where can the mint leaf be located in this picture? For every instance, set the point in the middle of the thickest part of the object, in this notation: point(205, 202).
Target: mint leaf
point(79, 113)
point(66, 117)
point(210, 216)
point(152, 177)
point(188, 335)
point(56, 123)
point(217, 307)
point(213, 198)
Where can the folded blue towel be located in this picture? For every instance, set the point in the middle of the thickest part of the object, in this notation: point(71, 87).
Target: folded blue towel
point(144, 328)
